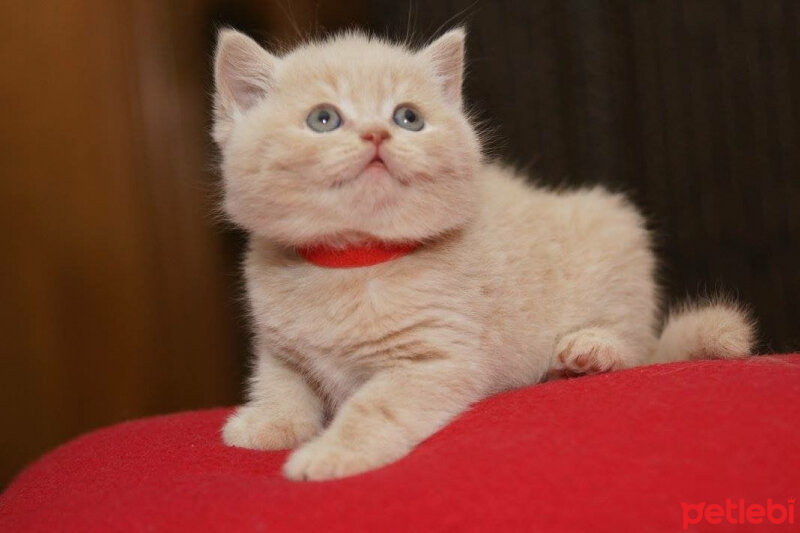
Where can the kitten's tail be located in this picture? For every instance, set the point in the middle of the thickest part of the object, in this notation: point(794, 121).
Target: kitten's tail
point(714, 330)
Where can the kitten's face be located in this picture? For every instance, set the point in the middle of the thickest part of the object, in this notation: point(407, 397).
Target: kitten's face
point(345, 140)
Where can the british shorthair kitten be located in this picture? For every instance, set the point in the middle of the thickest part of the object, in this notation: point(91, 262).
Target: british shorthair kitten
point(394, 277)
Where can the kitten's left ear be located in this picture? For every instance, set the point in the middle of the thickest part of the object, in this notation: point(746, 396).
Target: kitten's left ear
point(243, 76)
point(447, 55)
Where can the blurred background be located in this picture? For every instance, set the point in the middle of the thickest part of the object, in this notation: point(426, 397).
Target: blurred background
point(121, 292)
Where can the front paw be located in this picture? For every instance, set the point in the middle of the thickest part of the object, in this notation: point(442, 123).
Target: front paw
point(320, 460)
point(258, 428)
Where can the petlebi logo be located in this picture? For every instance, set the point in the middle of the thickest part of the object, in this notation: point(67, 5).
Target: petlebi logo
point(738, 511)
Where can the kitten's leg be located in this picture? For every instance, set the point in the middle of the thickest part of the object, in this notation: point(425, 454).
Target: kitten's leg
point(389, 415)
point(283, 410)
point(590, 351)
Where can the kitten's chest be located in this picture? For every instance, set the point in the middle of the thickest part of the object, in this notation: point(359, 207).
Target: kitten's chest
point(339, 317)
point(333, 317)
point(339, 330)
point(340, 326)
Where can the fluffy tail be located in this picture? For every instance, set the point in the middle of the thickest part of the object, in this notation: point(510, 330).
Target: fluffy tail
point(715, 330)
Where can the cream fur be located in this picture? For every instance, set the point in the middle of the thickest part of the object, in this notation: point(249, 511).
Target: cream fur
point(511, 285)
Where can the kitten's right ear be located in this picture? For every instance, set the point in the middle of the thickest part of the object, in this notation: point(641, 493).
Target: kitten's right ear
point(243, 74)
point(447, 56)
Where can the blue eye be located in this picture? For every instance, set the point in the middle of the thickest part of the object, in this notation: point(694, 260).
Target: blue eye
point(323, 119)
point(408, 118)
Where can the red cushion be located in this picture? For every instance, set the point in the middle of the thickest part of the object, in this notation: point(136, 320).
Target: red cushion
point(615, 452)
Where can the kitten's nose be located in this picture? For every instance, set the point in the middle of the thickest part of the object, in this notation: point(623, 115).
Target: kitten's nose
point(376, 136)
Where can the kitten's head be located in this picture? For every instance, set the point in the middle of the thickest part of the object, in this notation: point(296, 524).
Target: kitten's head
point(343, 140)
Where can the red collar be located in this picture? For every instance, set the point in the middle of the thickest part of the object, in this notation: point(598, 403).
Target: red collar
point(355, 256)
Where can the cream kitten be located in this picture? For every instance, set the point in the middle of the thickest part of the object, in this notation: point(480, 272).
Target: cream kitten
point(357, 145)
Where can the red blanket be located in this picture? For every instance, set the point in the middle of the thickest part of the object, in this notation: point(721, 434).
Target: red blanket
point(701, 446)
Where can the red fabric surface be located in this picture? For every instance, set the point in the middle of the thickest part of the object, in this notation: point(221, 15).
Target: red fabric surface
point(355, 256)
point(616, 452)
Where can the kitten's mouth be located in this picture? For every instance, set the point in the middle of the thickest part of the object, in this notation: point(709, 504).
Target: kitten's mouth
point(375, 171)
point(378, 167)
point(377, 162)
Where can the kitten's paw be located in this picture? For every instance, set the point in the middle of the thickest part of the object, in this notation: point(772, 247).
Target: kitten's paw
point(588, 351)
point(320, 460)
point(257, 428)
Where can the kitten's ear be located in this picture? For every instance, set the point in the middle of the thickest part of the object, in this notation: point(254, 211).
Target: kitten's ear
point(243, 74)
point(447, 55)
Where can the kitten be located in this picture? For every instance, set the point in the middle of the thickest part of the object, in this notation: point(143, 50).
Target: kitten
point(394, 278)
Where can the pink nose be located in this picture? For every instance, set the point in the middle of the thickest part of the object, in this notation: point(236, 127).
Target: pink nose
point(375, 136)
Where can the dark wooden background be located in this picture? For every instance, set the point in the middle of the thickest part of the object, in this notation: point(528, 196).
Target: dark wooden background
point(121, 292)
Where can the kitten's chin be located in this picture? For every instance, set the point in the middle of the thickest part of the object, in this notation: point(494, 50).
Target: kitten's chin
point(337, 238)
point(373, 206)
point(405, 228)
point(349, 239)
